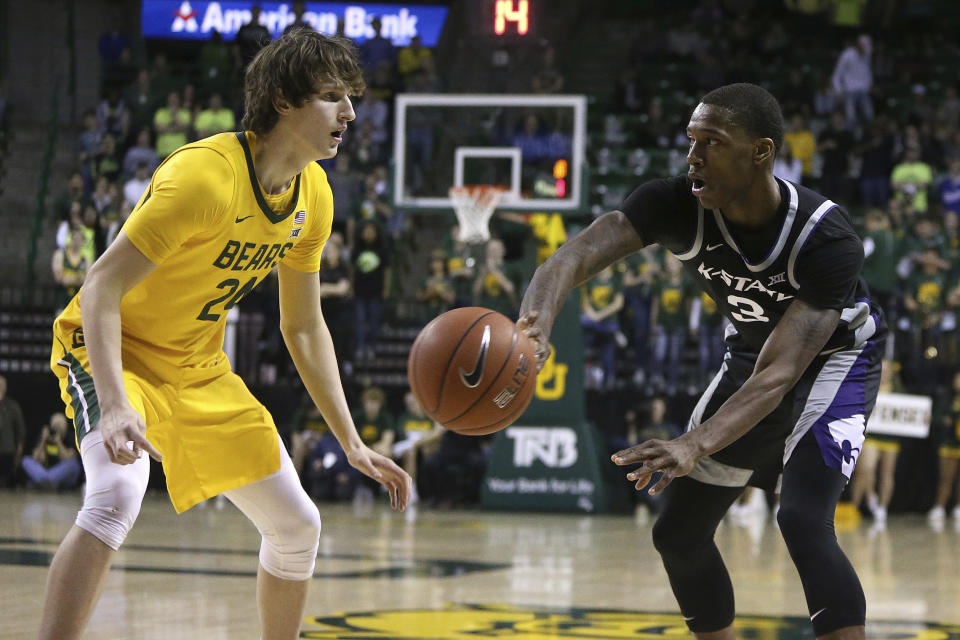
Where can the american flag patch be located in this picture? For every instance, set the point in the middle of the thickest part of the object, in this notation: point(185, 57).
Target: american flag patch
point(300, 217)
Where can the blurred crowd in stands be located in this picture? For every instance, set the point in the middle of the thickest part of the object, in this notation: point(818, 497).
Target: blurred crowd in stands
point(872, 122)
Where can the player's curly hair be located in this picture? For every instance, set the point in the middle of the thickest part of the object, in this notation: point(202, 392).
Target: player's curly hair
point(292, 68)
point(751, 108)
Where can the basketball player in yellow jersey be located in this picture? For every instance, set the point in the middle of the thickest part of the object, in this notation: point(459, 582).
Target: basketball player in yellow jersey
point(139, 350)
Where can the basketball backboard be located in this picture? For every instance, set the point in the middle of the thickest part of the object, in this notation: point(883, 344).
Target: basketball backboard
point(532, 145)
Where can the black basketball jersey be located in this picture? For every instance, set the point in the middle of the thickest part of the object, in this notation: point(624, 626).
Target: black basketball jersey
point(811, 252)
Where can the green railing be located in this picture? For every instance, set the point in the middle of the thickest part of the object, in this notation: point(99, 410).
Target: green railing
point(40, 206)
point(50, 147)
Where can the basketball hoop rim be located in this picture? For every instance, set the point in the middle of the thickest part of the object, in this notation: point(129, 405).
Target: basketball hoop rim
point(474, 190)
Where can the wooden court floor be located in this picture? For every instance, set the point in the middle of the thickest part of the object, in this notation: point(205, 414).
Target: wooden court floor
point(461, 575)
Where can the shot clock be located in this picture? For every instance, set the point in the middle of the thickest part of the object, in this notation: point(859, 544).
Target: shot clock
point(508, 19)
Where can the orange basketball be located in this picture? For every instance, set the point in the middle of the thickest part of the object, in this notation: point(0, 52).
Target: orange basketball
point(472, 370)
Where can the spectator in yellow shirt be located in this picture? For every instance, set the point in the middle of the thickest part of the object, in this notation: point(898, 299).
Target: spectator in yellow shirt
point(802, 143)
point(172, 123)
point(911, 179)
point(215, 118)
point(411, 57)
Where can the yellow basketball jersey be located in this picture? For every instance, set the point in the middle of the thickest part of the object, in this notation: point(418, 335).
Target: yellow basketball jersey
point(214, 235)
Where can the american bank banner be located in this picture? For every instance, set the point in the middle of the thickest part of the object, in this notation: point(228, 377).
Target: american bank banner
point(186, 20)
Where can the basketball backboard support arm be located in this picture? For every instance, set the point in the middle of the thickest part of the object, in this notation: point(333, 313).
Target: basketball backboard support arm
point(578, 105)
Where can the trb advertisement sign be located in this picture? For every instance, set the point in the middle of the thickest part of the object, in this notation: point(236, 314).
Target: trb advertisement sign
point(546, 468)
point(551, 459)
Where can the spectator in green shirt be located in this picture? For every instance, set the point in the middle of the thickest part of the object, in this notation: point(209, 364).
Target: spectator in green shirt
point(460, 267)
point(421, 437)
point(601, 299)
point(437, 289)
point(881, 252)
point(926, 289)
point(105, 163)
point(639, 271)
point(495, 287)
point(925, 299)
point(706, 326)
point(374, 423)
point(671, 299)
point(925, 233)
point(372, 206)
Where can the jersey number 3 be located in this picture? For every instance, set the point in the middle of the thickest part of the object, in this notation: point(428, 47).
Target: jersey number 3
point(231, 297)
point(746, 310)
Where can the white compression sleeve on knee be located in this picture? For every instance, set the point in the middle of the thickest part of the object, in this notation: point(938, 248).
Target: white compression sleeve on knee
point(113, 494)
point(287, 519)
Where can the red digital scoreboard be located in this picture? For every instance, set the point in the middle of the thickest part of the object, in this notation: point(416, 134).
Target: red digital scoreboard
point(513, 14)
point(508, 19)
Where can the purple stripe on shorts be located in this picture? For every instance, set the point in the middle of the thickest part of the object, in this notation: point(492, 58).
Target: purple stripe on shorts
point(841, 445)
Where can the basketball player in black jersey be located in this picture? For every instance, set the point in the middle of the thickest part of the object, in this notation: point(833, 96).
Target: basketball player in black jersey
point(802, 364)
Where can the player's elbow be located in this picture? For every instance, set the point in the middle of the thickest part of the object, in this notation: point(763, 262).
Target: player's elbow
point(97, 291)
point(774, 383)
point(295, 330)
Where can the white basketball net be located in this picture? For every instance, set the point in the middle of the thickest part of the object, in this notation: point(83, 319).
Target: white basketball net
point(474, 205)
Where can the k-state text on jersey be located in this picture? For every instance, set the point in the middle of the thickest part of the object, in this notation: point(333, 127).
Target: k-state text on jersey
point(740, 283)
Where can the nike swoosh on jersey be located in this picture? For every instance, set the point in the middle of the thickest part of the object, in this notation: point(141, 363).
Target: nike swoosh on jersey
point(711, 247)
point(473, 378)
point(818, 613)
point(243, 218)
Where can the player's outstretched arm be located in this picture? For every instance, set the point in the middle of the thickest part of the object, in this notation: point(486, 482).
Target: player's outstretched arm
point(798, 337)
point(121, 267)
point(308, 340)
point(610, 238)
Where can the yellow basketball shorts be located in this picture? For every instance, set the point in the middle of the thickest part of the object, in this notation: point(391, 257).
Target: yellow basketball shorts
point(949, 451)
point(213, 434)
point(883, 443)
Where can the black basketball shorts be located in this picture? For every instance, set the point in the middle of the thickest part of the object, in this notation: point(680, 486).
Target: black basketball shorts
point(833, 398)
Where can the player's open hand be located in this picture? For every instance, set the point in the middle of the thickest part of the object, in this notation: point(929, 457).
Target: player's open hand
point(674, 458)
point(121, 426)
point(385, 471)
point(541, 347)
